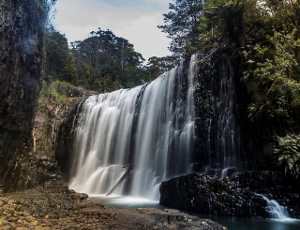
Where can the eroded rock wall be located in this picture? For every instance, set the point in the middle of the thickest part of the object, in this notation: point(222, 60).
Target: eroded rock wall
point(49, 137)
point(218, 143)
point(21, 59)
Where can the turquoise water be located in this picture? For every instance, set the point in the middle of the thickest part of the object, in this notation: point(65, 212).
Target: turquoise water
point(124, 201)
point(231, 223)
point(258, 224)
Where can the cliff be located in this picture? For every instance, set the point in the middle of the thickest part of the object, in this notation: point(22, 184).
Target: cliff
point(232, 161)
point(56, 102)
point(21, 46)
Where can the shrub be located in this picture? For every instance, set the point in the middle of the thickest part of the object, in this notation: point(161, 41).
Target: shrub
point(288, 152)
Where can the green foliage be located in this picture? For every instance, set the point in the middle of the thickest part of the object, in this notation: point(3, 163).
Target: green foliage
point(57, 55)
point(104, 57)
point(180, 23)
point(195, 25)
point(159, 65)
point(264, 37)
point(55, 91)
point(288, 153)
point(102, 62)
point(273, 78)
point(272, 65)
point(69, 70)
point(105, 85)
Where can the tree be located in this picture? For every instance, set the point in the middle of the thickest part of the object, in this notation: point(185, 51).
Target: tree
point(57, 54)
point(107, 56)
point(69, 70)
point(159, 65)
point(263, 37)
point(102, 62)
point(181, 23)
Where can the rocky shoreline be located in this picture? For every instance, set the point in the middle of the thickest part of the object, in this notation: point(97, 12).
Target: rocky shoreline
point(235, 195)
point(53, 206)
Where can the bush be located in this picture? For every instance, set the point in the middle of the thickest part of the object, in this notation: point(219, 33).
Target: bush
point(56, 91)
point(288, 152)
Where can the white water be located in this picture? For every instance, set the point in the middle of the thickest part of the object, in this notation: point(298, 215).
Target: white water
point(277, 212)
point(129, 141)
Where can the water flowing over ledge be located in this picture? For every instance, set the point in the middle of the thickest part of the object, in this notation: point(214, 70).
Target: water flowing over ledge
point(277, 212)
point(129, 141)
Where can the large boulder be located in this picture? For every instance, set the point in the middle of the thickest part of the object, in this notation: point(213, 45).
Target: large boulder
point(237, 195)
point(209, 195)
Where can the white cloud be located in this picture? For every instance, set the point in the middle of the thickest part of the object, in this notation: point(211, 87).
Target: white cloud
point(136, 22)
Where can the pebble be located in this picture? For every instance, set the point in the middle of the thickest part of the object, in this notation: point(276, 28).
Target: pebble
point(52, 211)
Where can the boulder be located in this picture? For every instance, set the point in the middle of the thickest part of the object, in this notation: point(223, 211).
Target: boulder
point(210, 195)
point(237, 195)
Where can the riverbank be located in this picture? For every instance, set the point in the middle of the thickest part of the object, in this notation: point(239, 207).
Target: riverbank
point(234, 195)
point(53, 206)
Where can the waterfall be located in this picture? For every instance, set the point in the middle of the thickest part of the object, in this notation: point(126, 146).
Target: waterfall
point(277, 211)
point(129, 141)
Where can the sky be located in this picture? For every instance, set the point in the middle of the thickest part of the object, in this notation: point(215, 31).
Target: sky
point(135, 20)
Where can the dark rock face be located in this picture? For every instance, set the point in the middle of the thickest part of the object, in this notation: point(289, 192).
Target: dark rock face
point(225, 136)
point(208, 195)
point(65, 139)
point(218, 140)
point(21, 48)
point(275, 185)
point(231, 196)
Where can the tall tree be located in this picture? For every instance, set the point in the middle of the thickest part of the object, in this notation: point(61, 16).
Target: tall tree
point(159, 65)
point(107, 56)
point(57, 54)
point(181, 23)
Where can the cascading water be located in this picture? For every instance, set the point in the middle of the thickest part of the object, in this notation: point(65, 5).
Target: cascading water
point(277, 211)
point(129, 141)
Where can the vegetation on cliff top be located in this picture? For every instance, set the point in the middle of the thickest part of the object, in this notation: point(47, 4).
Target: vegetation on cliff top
point(102, 62)
point(265, 37)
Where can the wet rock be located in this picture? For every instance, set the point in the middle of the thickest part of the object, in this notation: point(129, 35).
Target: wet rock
point(217, 112)
point(208, 195)
point(79, 196)
point(235, 195)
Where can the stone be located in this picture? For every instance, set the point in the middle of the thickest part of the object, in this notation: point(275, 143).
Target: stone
point(234, 195)
point(2, 203)
point(208, 195)
point(21, 47)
